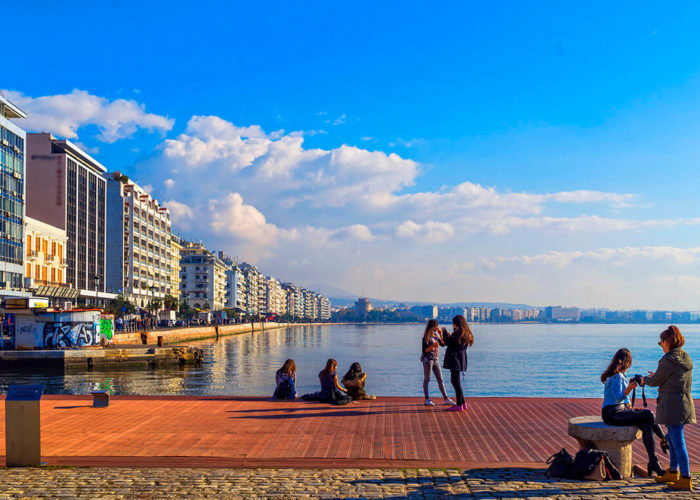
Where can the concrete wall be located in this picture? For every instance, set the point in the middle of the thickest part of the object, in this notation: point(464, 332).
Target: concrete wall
point(178, 335)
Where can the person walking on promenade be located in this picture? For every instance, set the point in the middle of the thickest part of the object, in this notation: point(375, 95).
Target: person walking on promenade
point(430, 356)
point(674, 404)
point(617, 409)
point(354, 381)
point(457, 343)
point(331, 391)
point(285, 379)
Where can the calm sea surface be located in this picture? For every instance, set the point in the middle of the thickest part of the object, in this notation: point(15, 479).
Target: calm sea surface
point(506, 360)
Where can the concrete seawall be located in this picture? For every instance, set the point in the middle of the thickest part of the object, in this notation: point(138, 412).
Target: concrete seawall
point(179, 335)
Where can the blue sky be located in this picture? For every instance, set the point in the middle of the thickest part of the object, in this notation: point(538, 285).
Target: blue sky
point(365, 117)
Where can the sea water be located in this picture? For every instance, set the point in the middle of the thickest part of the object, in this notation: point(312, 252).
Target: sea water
point(517, 360)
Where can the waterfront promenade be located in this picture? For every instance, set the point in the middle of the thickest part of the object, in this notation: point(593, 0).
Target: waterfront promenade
point(257, 432)
point(246, 447)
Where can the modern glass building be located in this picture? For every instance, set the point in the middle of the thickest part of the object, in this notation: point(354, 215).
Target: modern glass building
point(12, 199)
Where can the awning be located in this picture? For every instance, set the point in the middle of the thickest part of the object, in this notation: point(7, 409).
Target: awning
point(56, 292)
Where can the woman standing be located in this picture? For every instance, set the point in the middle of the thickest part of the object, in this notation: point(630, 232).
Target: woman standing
point(457, 343)
point(617, 409)
point(674, 404)
point(430, 356)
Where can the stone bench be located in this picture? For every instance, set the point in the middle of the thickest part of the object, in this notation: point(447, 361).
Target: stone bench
point(592, 433)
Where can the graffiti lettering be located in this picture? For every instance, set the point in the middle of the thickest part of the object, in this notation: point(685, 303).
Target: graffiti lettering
point(61, 335)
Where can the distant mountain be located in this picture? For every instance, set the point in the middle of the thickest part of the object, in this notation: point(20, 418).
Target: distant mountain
point(343, 300)
point(331, 291)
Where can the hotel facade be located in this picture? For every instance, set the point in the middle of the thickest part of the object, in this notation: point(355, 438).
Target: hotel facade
point(66, 188)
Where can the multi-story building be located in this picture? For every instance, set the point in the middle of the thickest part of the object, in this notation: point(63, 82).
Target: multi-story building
point(66, 189)
point(254, 289)
point(324, 307)
point(275, 297)
point(310, 304)
point(202, 278)
point(46, 254)
point(139, 243)
point(235, 289)
point(12, 199)
point(295, 300)
point(175, 248)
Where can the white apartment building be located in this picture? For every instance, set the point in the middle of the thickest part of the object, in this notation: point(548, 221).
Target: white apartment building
point(139, 243)
point(175, 248)
point(202, 278)
point(275, 297)
point(295, 300)
point(324, 307)
point(235, 289)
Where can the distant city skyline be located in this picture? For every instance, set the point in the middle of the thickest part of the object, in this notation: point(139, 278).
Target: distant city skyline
point(505, 155)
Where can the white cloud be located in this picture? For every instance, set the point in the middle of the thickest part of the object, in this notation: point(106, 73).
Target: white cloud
point(359, 232)
point(340, 120)
point(233, 218)
point(65, 114)
point(169, 183)
point(430, 232)
point(675, 255)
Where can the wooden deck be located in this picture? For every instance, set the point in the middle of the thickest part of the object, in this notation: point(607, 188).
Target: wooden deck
point(257, 432)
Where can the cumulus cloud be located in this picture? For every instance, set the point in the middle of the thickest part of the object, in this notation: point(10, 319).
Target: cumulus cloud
point(669, 254)
point(65, 114)
point(232, 217)
point(429, 232)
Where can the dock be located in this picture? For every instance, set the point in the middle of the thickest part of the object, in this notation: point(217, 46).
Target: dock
point(245, 432)
point(89, 358)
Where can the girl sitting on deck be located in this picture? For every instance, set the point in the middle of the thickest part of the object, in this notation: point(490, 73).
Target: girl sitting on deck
point(617, 409)
point(354, 381)
point(331, 391)
point(286, 381)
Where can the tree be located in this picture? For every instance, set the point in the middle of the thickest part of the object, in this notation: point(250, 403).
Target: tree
point(185, 309)
point(170, 303)
point(155, 304)
point(120, 307)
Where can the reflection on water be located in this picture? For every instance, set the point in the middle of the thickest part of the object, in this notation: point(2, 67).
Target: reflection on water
point(507, 360)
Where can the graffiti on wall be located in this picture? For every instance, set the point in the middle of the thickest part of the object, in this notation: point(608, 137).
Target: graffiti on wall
point(106, 328)
point(58, 335)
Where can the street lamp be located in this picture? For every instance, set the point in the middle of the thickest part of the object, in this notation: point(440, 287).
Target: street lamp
point(97, 288)
point(153, 289)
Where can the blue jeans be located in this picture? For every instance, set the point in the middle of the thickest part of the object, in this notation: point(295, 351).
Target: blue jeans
point(677, 450)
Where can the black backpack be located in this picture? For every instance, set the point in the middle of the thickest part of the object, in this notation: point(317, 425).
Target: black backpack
point(285, 390)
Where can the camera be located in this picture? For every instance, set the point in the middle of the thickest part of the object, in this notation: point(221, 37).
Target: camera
point(639, 379)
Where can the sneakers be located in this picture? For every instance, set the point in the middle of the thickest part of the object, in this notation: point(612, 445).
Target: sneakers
point(464, 406)
point(448, 401)
point(428, 402)
point(455, 408)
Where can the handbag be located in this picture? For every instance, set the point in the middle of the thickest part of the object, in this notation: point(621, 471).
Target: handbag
point(559, 464)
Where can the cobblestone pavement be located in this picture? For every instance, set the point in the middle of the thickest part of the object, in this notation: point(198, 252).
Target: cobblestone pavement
point(147, 483)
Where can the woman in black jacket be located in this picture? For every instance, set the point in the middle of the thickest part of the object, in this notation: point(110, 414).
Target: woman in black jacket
point(457, 343)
